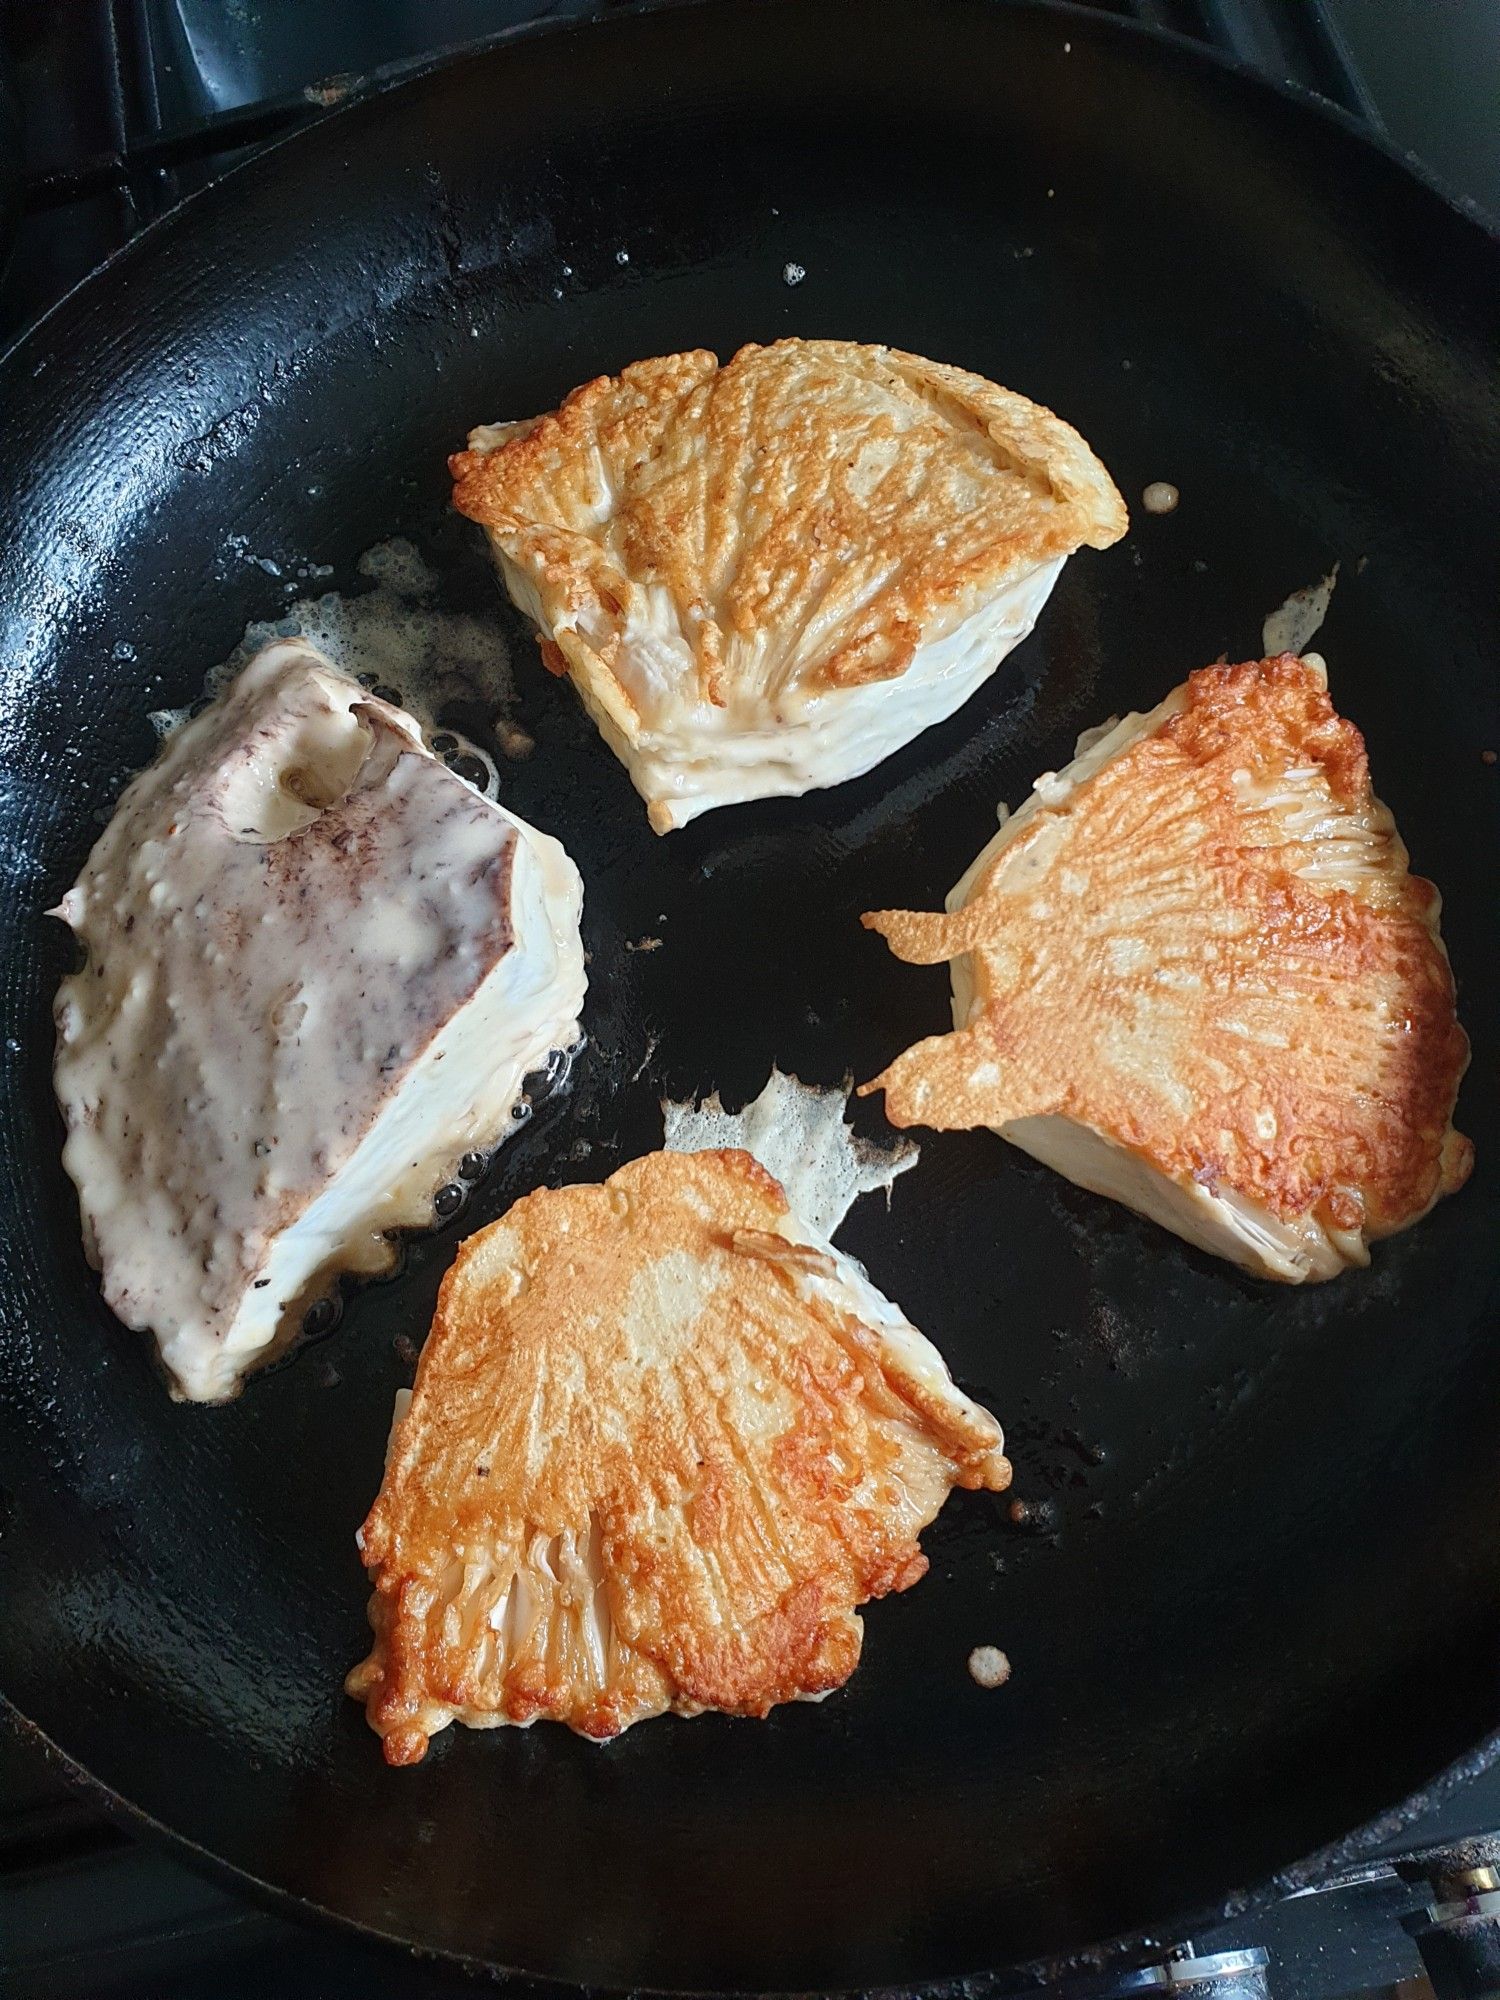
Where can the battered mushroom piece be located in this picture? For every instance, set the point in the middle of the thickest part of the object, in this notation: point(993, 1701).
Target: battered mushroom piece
point(766, 577)
point(320, 966)
point(663, 1441)
point(1194, 973)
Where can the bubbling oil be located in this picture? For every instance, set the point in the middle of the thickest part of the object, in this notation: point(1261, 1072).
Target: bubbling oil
point(396, 640)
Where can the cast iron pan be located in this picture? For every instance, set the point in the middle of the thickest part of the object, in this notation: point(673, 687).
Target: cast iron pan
point(1256, 1602)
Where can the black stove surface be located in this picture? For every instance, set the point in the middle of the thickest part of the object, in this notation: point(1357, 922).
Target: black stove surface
point(127, 106)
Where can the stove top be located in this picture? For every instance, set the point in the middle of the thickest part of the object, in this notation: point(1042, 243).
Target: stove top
point(126, 107)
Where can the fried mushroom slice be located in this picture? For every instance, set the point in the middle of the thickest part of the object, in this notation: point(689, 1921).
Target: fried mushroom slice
point(1193, 972)
point(663, 1441)
point(767, 576)
point(320, 967)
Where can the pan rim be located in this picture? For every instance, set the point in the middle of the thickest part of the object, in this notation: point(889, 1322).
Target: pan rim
point(388, 77)
point(1316, 1870)
point(1323, 1863)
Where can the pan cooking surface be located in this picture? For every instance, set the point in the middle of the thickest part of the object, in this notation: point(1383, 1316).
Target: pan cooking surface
point(1251, 1599)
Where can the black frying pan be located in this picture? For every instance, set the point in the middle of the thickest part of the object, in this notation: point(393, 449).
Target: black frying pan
point(1259, 1603)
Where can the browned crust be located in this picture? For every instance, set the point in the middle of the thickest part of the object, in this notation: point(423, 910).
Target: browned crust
point(867, 492)
point(1163, 959)
point(644, 1362)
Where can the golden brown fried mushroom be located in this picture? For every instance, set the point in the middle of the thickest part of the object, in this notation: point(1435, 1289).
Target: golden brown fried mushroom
point(766, 577)
point(1194, 973)
point(662, 1443)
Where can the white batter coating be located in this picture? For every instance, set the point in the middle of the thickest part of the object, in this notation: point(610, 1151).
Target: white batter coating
point(319, 968)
